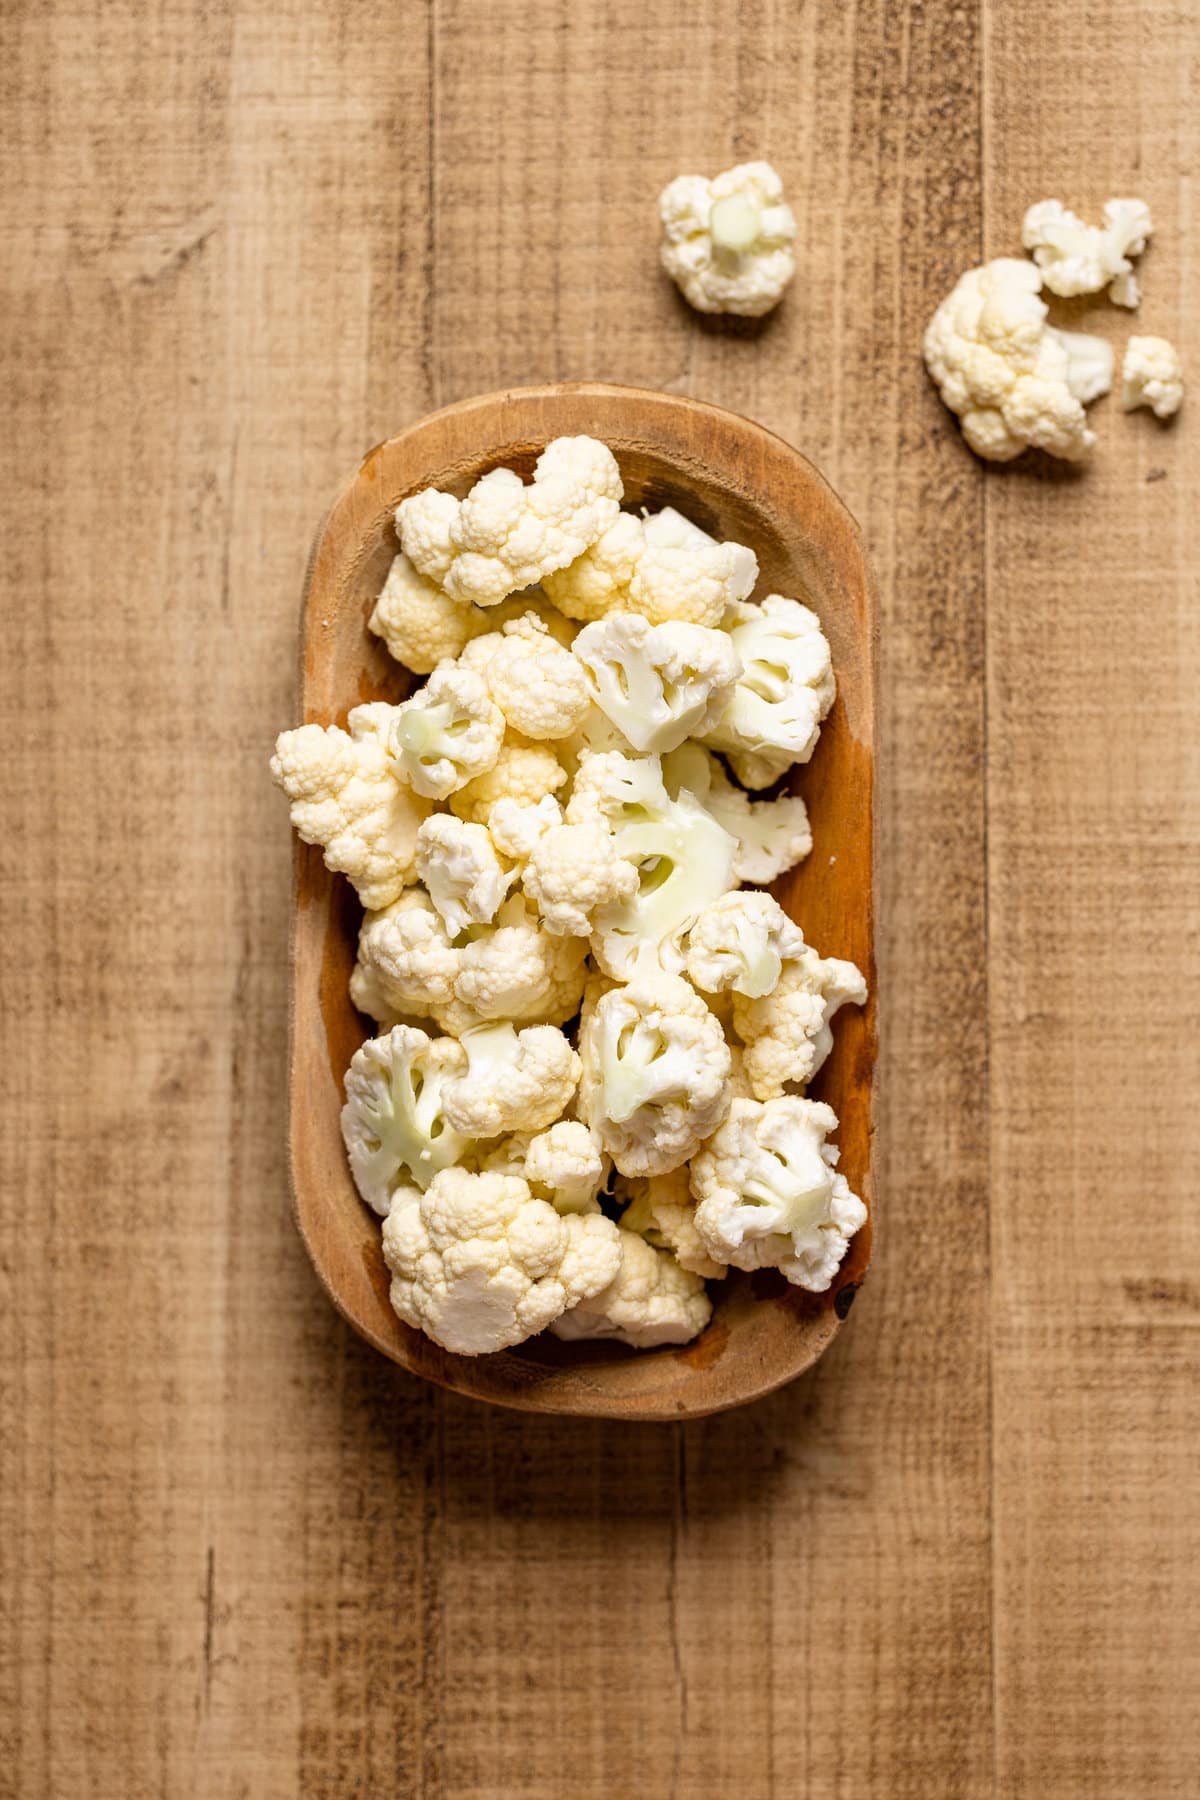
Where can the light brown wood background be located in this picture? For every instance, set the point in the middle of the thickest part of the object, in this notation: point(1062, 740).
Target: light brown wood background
point(242, 1556)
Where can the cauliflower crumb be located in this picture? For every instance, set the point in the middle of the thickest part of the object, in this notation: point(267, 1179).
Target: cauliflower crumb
point(1075, 258)
point(727, 243)
point(1152, 375)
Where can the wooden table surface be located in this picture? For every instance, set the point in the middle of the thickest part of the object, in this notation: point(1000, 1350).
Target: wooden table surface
point(243, 1556)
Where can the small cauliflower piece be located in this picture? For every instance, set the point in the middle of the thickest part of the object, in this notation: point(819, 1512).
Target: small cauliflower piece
point(348, 796)
point(515, 970)
point(727, 243)
point(570, 871)
point(457, 862)
point(406, 956)
point(1152, 375)
point(1013, 380)
point(479, 1264)
point(787, 1033)
point(368, 992)
point(394, 1122)
point(421, 625)
point(563, 1165)
point(660, 1208)
point(449, 733)
point(596, 735)
point(523, 772)
point(538, 686)
point(655, 1073)
point(740, 942)
point(505, 536)
point(768, 1196)
point(662, 571)
point(683, 857)
point(772, 835)
point(1075, 258)
point(786, 687)
point(659, 684)
point(513, 1081)
point(651, 1300)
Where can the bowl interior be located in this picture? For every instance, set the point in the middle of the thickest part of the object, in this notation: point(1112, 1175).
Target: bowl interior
point(736, 481)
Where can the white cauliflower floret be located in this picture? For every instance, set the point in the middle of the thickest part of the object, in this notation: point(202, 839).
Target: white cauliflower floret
point(457, 862)
point(740, 942)
point(368, 992)
point(523, 772)
point(513, 1081)
point(670, 570)
point(683, 857)
point(478, 1264)
point(421, 625)
point(506, 536)
point(407, 957)
point(570, 871)
point(1152, 375)
point(538, 686)
point(660, 1208)
point(727, 243)
point(788, 1033)
point(448, 733)
point(515, 970)
point(659, 683)
point(651, 1300)
point(1013, 380)
point(564, 1165)
point(655, 1073)
point(768, 1196)
point(1075, 258)
point(394, 1122)
point(516, 828)
point(348, 796)
point(786, 687)
point(773, 835)
point(596, 735)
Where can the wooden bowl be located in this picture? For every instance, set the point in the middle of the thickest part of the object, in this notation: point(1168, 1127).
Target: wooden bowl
point(737, 481)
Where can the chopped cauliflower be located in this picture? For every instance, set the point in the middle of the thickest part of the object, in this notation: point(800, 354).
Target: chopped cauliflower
point(466, 880)
point(786, 687)
point(394, 1122)
point(772, 835)
point(727, 243)
point(1152, 375)
point(651, 1300)
point(407, 955)
point(449, 733)
point(1075, 258)
point(506, 535)
point(659, 684)
point(523, 772)
point(478, 1264)
point(655, 1073)
point(570, 871)
point(670, 570)
point(513, 1081)
point(787, 1033)
point(421, 625)
point(538, 686)
point(768, 1196)
point(1014, 381)
point(563, 1165)
point(660, 1208)
point(740, 942)
point(515, 970)
point(348, 796)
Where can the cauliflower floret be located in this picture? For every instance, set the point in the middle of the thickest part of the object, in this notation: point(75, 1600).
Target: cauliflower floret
point(394, 1123)
point(1013, 380)
point(740, 942)
point(564, 1165)
point(651, 1300)
point(768, 1196)
point(683, 857)
point(506, 536)
point(538, 686)
point(478, 1264)
point(449, 733)
point(523, 772)
point(1152, 375)
point(515, 970)
point(406, 956)
point(1075, 258)
point(660, 1208)
point(513, 1081)
point(772, 835)
point(655, 1073)
point(457, 862)
point(596, 735)
point(659, 683)
point(368, 993)
point(570, 871)
point(786, 687)
point(348, 796)
point(421, 625)
point(727, 243)
point(788, 1033)
point(661, 571)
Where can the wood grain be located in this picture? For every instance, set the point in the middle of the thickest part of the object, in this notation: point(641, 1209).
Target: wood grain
point(239, 1553)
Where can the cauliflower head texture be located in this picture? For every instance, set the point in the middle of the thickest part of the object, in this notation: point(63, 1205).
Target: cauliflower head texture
point(774, 713)
point(662, 568)
point(513, 1080)
point(523, 771)
point(449, 732)
point(727, 243)
point(740, 943)
point(651, 1300)
point(659, 684)
point(1152, 375)
point(421, 625)
point(660, 1208)
point(536, 683)
point(787, 1033)
point(457, 862)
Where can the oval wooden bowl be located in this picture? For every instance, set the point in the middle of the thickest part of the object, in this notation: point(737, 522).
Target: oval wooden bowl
point(737, 481)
